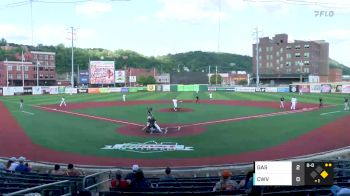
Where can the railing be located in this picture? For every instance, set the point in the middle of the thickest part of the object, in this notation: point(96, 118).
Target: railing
point(98, 175)
point(40, 187)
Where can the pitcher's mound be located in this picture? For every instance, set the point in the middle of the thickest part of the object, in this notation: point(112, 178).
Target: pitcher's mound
point(178, 110)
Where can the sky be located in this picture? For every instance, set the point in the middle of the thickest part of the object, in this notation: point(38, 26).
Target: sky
point(159, 27)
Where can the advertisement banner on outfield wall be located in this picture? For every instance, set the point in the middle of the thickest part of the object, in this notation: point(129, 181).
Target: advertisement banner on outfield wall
point(115, 90)
point(166, 87)
point(315, 88)
point(36, 90)
point(82, 90)
point(245, 89)
point(125, 90)
point(6, 91)
point(231, 89)
point(211, 88)
point(53, 90)
point(283, 89)
point(151, 87)
point(61, 89)
point(104, 90)
point(260, 89)
point(132, 89)
point(304, 88)
point(0, 91)
point(271, 89)
point(338, 89)
point(94, 90)
point(326, 88)
point(27, 91)
point(334, 88)
point(293, 88)
point(69, 90)
point(345, 88)
point(159, 88)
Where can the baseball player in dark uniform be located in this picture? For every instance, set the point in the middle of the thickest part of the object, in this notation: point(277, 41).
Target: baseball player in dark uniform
point(346, 103)
point(197, 98)
point(282, 102)
point(321, 101)
point(21, 104)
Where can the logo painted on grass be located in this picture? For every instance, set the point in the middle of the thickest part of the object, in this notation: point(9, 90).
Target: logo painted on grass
point(148, 147)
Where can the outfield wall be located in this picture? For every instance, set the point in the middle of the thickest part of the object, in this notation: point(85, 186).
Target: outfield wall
point(294, 88)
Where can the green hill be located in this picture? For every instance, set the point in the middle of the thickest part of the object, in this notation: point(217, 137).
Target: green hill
point(196, 61)
point(336, 64)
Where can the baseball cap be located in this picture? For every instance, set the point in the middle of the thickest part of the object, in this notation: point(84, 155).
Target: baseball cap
point(225, 174)
point(21, 159)
point(13, 159)
point(135, 167)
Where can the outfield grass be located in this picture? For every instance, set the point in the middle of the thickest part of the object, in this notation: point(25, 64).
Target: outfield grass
point(79, 135)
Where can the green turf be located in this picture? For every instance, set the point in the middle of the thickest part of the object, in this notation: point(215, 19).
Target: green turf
point(86, 136)
point(201, 112)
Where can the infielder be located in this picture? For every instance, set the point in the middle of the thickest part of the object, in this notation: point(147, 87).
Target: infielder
point(210, 96)
point(175, 104)
point(63, 102)
point(294, 103)
point(346, 103)
point(124, 97)
point(21, 104)
point(282, 102)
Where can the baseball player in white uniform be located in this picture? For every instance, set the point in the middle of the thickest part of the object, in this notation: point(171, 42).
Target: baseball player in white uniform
point(175, 104)
point(63, 102)
point(294, 103)
point(124, 97)
point(21, 104)
point(210, 96)
point(346, 103)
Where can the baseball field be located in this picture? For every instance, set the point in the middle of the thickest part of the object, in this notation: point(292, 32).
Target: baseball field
point(101, 129)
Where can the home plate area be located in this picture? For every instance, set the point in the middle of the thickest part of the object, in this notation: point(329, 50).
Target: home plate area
point(178, 110)
point(172, 130)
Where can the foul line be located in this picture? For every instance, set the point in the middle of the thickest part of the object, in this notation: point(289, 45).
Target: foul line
point(252, 117)
point(27, 112)
point(90, 116)
point(330, 112)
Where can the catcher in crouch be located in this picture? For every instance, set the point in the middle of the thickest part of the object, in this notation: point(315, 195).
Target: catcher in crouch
point(152, 126)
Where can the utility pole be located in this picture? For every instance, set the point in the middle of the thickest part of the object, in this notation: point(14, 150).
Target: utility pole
point(216, 75)
point(209, 76)
point(72, 37)
point(257, 56)
point(219, 25)
point(31, 20)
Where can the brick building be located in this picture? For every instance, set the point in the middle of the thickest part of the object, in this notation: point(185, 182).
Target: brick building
point(44, 61)
point(281, 61)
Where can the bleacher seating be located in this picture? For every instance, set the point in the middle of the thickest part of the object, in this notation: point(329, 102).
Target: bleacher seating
point(12, 182)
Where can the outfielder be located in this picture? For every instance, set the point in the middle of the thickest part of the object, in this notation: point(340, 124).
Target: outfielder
point(63, 102)
point(294, 103)
point(210, 96)
point(346, 103)
point(21, 104)
point(124, 97)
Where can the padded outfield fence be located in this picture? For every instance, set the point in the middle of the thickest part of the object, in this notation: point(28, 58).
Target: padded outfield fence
point(294, 88)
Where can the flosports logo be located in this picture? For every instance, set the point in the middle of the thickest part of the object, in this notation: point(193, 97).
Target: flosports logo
point(148, 147)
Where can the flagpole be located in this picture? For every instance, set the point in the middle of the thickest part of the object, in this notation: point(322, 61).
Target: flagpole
point(37, 72)
point(22, 69)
